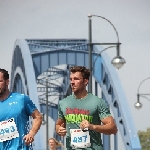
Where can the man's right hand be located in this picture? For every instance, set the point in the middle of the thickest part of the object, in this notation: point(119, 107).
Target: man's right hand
point(61, 130)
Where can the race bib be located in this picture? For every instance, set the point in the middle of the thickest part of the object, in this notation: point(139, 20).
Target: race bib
point(8, 130)
point(79, 139)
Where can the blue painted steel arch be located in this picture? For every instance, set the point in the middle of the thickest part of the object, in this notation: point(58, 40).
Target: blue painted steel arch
point(35, 56)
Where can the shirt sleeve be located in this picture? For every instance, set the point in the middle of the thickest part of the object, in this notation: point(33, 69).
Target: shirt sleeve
point(29, 105)
point(103, 110)
point(60, 112)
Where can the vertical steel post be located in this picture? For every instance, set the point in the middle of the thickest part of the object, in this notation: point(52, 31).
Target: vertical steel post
point(90, 54)
point(116, 141)
point(47, 113)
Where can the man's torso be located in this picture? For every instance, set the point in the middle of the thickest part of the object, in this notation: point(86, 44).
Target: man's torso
point(13, 108)
point(75, 110)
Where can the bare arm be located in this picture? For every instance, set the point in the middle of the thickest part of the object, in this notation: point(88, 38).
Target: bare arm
point(108, 126)
point(60, 127)
point(37, 121)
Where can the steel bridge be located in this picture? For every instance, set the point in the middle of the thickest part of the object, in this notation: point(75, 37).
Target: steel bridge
point(35, 60)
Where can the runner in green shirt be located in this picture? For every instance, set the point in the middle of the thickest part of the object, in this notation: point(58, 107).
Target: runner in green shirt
point(82, 117)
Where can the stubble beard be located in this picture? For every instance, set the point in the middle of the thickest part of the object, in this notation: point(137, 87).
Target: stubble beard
point(2, 91)
point(75, 91)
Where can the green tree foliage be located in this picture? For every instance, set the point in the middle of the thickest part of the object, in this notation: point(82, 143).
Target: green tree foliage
point(145, 139)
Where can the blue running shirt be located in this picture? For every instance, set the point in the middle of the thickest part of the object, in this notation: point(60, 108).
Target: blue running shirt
point(14, 121)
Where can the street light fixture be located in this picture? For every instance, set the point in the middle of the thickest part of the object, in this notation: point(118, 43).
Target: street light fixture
point(139, 105)
point(99, 55)
point(117, 61)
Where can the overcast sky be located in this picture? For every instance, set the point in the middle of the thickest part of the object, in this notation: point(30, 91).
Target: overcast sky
point(68, 19)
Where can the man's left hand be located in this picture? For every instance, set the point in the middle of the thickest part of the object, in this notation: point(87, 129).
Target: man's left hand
point(85, 124)
point(29, 138)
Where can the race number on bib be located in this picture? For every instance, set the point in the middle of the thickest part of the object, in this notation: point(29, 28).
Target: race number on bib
point(8, 130)
point(79, 139)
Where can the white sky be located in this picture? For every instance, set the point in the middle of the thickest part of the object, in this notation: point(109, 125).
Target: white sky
point(68, 19)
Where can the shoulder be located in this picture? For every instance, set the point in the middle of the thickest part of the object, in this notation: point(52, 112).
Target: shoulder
point(19, 96)
point(96, 99)
point(64, 100)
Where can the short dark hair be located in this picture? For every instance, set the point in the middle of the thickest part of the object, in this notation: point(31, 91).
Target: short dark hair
point(5, 74)
point(84, 71)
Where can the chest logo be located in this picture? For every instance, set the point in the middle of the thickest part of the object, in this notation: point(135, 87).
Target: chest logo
point(12, 103)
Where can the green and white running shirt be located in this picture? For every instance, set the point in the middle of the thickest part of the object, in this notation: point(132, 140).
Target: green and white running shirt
point(73, 111)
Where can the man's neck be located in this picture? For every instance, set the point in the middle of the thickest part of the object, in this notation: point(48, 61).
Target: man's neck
point(5, 95)
point(81, 95)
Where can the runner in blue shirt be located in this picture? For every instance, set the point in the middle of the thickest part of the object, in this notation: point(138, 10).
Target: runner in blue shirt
point(15, 109)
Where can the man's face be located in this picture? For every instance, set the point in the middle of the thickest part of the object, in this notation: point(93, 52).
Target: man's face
point(3, 84)
point(77, 82)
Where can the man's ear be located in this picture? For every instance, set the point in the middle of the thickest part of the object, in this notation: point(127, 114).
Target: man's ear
point(7, 81)
point(86, 81)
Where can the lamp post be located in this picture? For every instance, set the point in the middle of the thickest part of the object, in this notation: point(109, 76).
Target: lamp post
point(44, 81)
point(47, 110)
point(117, 61)
point(47, 113)
point(47, 85)
point(138, 104)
